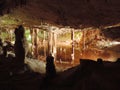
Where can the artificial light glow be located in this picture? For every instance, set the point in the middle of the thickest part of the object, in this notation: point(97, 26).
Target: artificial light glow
point(115, 43)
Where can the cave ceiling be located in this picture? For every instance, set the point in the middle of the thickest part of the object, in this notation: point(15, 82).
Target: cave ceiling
point(73, 13)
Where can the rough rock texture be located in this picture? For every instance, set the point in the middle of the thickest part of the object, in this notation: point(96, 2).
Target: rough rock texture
point(76, 13)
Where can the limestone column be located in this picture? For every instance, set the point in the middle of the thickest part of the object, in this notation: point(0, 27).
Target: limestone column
point(72, 38)
point(44, 43)
point(36, 43)
point(32, 40)
point(54, 45)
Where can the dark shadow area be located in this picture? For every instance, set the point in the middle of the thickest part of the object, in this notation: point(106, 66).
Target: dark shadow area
point(7, 6)
point(89, 75)
point(112, 33)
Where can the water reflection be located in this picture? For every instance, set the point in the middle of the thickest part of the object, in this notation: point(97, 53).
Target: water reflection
point(64, 53)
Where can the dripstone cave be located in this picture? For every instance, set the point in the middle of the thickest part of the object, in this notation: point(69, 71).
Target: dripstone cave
point(59, 45)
